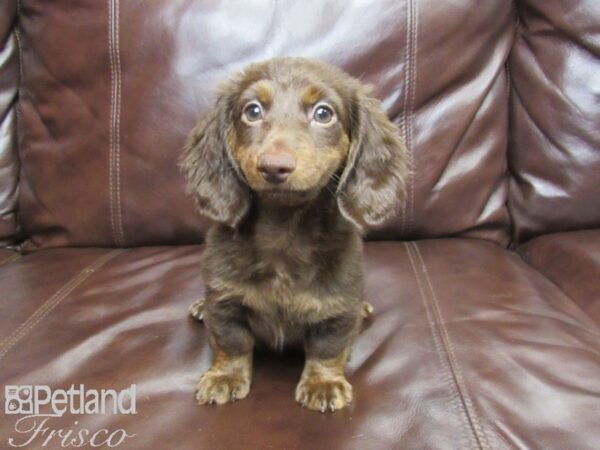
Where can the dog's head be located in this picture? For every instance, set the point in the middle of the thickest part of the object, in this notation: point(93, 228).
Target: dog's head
point(288, 128)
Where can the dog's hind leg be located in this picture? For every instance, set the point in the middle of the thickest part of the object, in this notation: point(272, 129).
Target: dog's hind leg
point(367, 311)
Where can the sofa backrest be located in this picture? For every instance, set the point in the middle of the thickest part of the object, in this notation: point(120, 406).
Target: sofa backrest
point(111, 89)
point(554, 152)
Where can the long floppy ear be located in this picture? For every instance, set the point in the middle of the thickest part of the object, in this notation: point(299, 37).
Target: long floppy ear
point(372, 184)
point(212, 175)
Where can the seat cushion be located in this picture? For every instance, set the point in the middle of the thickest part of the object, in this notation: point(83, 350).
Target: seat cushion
point(572, 261)
point(469, 348)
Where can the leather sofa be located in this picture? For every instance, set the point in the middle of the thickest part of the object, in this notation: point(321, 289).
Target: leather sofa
point(486, 288)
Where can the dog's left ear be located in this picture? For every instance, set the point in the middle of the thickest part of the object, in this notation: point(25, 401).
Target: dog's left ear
point(372, 184)
point(213, 176)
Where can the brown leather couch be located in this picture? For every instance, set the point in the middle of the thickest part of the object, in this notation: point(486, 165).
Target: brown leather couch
point(486, 288)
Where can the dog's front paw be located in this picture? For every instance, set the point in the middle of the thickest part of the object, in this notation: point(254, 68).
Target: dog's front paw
point(218, 387)
point(324, 394)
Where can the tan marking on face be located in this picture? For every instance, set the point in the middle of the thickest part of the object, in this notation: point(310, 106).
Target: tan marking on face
point(247, 158)
point(311, 95)
point(264, 92)
point(314, 166)
point(318, 154)
point(314, 171)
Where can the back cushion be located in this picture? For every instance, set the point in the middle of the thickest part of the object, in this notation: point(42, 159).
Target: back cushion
point(555, 129)
point(111, 90)
point(9, 167)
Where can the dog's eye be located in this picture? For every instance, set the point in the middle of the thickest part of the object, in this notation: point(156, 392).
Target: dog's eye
point(323, 114)
point(253, 112)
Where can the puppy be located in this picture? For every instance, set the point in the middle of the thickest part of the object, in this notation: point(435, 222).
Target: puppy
point(293, 163)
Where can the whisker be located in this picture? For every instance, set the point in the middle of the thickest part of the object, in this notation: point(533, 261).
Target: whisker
point(337, 178)
point(330, 190)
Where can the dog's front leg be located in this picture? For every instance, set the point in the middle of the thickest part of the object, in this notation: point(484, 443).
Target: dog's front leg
point(230, 375)
point(323, 385)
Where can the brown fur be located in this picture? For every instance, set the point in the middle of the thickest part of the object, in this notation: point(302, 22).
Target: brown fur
point(282, 263)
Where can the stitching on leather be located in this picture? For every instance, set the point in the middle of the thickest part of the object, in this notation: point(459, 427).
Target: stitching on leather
point(453, 393)
point(457, 375)
point(54, 300)
point(404, 118)
point(111, 120)
point(403, 125)
point(115, 125)
point(10, 259)
point(407, 106)
point(118, 116)
point(413, 88)
point(19, 46)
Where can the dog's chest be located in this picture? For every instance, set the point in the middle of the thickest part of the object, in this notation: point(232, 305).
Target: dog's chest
point(283, 287)
point(283, 303)
point(280, 274)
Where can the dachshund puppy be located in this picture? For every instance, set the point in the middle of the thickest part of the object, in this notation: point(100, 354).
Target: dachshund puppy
point(293, 163)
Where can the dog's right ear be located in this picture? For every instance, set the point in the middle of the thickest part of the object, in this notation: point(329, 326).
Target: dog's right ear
point(211, 172)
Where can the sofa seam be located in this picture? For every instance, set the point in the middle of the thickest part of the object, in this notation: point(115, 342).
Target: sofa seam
point(12, 339)
point(110, 130)
point(407, 106)
point(414, 49)
point(403, 116)
point(19, 235)
point(118, 143)
point(458, 377)
point(10, 259)
point(19, 45)
point(115, 125)
point(453, 394)
point(555, 283)
point(18, 106)
point(511, 89)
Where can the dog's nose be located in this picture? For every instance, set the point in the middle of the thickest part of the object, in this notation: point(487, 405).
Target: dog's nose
point(276, 167)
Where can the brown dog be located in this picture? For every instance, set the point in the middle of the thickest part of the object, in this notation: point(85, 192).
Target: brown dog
point(292, 164)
